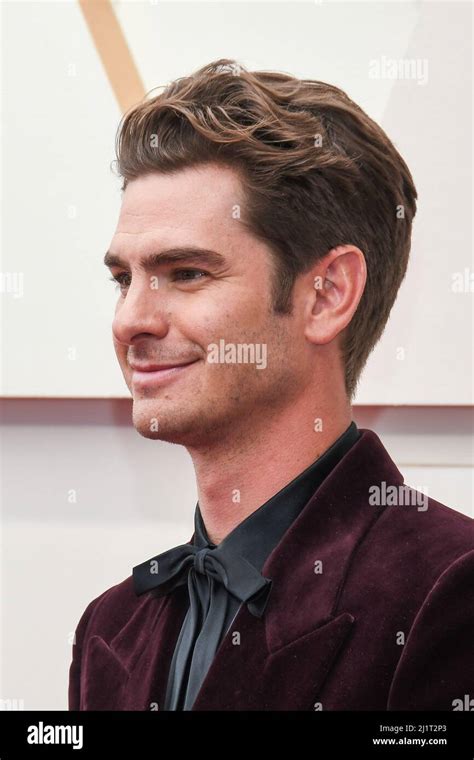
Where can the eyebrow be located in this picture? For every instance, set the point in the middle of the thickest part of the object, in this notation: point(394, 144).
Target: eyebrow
point(169, 256)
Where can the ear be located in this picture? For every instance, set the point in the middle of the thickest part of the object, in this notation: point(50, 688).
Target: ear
point(334, 288)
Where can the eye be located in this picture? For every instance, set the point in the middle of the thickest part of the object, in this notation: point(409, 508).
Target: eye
point(188, 271)
point(119, 280)
point(123, 279)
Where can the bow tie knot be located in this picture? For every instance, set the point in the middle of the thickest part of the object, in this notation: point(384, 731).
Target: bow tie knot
point(199, 560)
point(168, 570)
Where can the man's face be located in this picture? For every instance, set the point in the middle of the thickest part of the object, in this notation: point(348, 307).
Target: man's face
point(177, 311)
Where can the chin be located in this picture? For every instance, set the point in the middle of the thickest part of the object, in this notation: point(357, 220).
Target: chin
point(146, 418)
point(150, 422)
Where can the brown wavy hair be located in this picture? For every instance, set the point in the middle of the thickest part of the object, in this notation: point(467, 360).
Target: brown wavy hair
point(317, 172)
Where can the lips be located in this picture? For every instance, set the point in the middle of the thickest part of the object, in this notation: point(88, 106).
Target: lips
point(146, 376)
point(156, 367)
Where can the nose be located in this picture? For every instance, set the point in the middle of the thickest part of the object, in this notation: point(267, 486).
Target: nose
point(141, 310)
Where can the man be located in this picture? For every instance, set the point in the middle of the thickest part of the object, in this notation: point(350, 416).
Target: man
point(263, 235)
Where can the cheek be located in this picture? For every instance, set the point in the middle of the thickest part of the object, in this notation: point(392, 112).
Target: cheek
point(234, 319)
point(202, 323)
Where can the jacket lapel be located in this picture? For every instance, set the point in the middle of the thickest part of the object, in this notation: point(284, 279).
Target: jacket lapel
point(279, 661)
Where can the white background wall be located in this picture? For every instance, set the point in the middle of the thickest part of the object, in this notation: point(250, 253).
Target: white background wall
point(66, 424)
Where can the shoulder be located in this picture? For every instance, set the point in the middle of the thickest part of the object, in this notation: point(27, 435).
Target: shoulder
point(420, 536)
point(107, 613)
point(436, 669)
point(406, 531)
point(425, 550)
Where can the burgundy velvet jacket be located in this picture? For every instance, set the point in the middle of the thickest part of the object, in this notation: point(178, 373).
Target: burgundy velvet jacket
point(372, 608)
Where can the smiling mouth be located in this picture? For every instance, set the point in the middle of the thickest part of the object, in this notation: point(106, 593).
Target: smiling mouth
point(152, 376)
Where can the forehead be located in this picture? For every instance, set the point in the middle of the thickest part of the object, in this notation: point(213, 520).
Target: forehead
point(204, 200)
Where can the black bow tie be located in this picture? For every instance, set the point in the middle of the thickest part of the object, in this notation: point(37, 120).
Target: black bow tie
point(168, 570)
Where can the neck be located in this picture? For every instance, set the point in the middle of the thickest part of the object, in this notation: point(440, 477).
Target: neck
point(238, 474)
